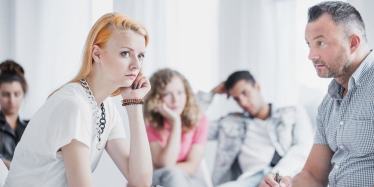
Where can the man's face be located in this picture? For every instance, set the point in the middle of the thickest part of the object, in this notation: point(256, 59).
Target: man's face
point(248, 96)
point(329, 47)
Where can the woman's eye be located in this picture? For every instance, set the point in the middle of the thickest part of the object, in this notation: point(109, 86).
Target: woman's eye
point(166, 95)
point(125, 54)
point(141, 57)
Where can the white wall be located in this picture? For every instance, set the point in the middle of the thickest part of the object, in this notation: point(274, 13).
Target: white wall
point(6, 29)
point(183, 36)
point(205, 40)
point(365, 8)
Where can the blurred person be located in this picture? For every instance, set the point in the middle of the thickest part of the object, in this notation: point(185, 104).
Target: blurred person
point(262, 139)
point(13, 87)
point(177, 130)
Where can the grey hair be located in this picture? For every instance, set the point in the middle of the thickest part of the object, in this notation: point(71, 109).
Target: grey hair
point(341, 13)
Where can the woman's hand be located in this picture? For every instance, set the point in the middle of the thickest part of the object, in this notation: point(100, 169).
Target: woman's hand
point(170, 115)
point(138, 89)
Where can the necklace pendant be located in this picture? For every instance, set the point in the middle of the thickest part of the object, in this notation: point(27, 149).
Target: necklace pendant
point(99, 145)
point(100, 117)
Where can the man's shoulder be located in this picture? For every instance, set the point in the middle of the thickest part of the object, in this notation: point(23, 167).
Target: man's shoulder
point(289, 113)
point(24, 122)
point(233, 118)
point(286, 108)
point(233, 124)
point(235, 115)
point(283, 110)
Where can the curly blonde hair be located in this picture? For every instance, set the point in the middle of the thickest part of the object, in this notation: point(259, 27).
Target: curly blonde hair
point(159, 80)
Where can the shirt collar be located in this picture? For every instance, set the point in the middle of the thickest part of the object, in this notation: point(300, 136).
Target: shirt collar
point(364, 67)
point(271, 112)
point(2, 119)
point(4, 125)
point(335, 90)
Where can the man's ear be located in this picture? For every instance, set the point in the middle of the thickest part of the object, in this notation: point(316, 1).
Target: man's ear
point(355, 42)
point(257, 86)
point(96, 53)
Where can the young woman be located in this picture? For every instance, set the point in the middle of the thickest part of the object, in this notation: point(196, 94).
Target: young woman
point(176, 129)
point(66, 137)
point(13, 87)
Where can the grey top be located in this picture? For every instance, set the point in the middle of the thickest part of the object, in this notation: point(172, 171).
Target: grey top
point(345, 124)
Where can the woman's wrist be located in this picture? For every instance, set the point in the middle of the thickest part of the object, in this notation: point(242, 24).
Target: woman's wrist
point(134, 109)
point(175, 122)
point(126, 102)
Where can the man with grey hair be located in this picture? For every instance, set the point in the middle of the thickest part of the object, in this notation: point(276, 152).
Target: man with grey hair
point(343, 150)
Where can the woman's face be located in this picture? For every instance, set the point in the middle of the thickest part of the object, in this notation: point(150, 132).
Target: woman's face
point(11, 97)
point(174, 95)
point(122, 56)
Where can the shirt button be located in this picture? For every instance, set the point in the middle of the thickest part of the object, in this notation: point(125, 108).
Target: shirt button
point(341, 147)
point(337, 166)
point(341, 123)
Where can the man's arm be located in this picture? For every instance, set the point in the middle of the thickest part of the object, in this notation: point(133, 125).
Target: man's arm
point(314, 174)
point(205, 99)
point(316, 169)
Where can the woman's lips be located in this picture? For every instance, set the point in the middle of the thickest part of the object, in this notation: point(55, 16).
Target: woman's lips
point(131, 76)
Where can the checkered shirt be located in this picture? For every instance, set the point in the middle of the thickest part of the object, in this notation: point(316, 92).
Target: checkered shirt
point(346, 125)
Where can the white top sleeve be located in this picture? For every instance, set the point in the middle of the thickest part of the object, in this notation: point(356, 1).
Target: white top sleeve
point(72, 119)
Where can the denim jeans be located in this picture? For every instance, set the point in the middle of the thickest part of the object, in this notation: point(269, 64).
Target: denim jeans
point(175, 177)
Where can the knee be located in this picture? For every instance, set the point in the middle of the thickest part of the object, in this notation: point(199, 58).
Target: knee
point(173, 172)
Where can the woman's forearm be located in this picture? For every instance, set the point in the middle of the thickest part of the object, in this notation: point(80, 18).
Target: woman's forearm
point(169, 154)
point(140, 160)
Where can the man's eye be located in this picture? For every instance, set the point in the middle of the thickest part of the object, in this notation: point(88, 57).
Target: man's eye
point(321, 43)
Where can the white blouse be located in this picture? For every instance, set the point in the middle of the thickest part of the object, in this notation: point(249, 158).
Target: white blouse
point(65, 116)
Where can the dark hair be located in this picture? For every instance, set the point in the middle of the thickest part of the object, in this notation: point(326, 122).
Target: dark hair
point(341, 13)
point(238, 76)
point(11, 71)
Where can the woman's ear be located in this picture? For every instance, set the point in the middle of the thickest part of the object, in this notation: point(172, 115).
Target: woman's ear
point(96, 53)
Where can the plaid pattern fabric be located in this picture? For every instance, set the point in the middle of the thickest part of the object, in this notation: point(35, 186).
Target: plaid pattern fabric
point(346, 125)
